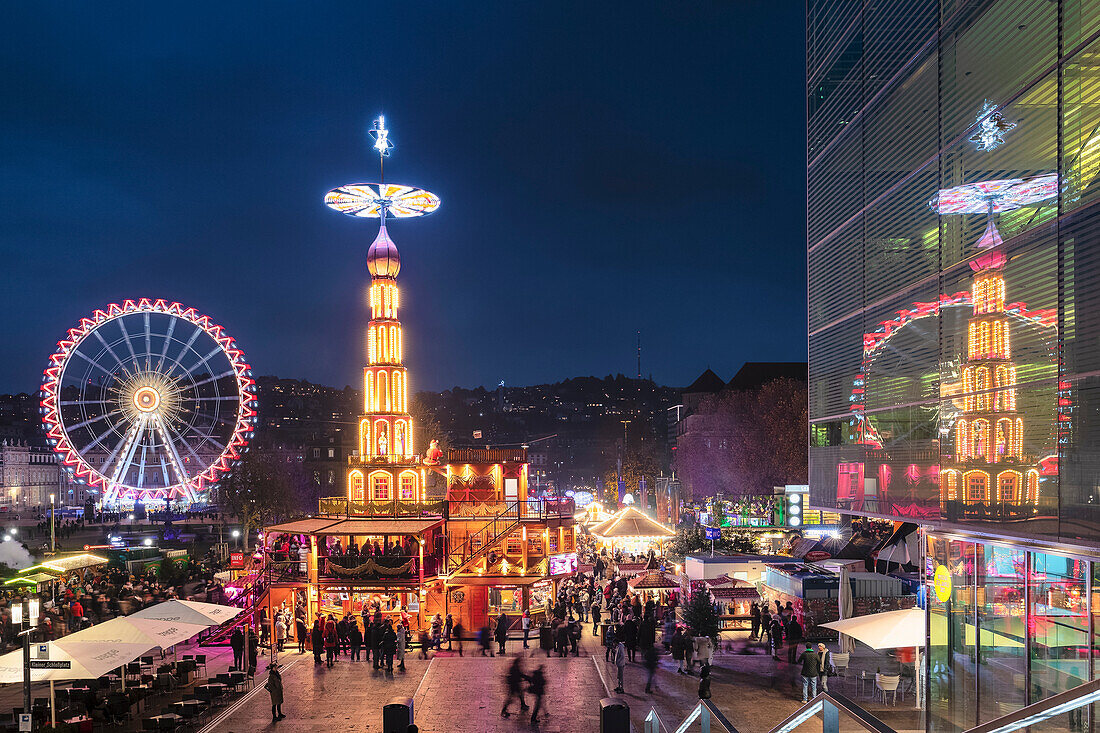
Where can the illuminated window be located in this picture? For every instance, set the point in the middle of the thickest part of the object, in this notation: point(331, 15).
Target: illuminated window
point(1003, 437)
point(364, 437)
point(1008, 486)
point(372, 400)
point(372, 346)
point(972, 340)
point(982, 385)
point(949, 485)
point(408, 487)
point(983, 339)
point(977, 485)
point(998, 338)
point(1018, 439)
point(383, 393)
point(381, 487)
point(355, 486)
point(962, 439)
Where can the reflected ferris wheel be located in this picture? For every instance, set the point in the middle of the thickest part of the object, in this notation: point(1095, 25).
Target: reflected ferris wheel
point(148, 400)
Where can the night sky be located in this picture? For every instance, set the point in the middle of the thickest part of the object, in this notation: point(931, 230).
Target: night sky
point(604, 168)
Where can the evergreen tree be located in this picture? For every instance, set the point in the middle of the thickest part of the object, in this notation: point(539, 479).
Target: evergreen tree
point(700, 616)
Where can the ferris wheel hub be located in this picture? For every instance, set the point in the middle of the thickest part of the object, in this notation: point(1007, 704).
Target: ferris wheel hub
point(146, 399)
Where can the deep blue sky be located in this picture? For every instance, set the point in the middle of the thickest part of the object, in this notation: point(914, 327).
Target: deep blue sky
point(604, 168)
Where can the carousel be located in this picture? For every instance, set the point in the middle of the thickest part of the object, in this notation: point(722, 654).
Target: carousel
point(631, 532)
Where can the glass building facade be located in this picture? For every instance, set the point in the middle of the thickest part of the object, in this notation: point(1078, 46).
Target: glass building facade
point(953, 252)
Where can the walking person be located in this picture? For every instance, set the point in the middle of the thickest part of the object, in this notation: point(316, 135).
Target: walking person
point(448, 630)
point(513, 684)
point(525, 620)
point(630, 637)
point(811, 667)
point(236, 641)
point(595, 619)
point(457, 635)
point(485, 641)
point(274, 687)
point(376, 642)
point(775, 635)
point(679, 646)
point(649, 659)
point(609, 643)
point(825, 668)
point(502, 631)
point(252, 646)
point(536, 685)
point(620, 664)
point(754, 618)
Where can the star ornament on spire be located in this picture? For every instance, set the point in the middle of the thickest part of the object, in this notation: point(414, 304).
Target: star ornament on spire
point(381, 137)
point(991, 127)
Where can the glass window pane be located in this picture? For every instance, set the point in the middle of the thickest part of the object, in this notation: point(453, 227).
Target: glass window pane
point(1002, 644)
point(1059, 646)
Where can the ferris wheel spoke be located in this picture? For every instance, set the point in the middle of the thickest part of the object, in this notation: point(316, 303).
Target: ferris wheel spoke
point(148, 341)
point(183, 352)
point(177, 463)
point(91, 420)
point(167, 343)
point(99, 439)
point(164, 472)
point(211, 378)
point(69, 403)
point(93, 362)
point(129, 346)
point(126, 456)
point(111, 351)
point(141, 465)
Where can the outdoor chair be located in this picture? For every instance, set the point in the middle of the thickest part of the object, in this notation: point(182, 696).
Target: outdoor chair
point(888, 683)
point(200, 661)
point(840, 661)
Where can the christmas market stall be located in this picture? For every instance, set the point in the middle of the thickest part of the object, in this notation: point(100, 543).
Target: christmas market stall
point(655, 585)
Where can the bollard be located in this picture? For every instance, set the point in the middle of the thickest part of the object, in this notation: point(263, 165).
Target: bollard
point(614, 715)
point(397, 715)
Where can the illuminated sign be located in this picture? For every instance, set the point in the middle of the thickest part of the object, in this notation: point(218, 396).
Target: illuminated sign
point(236, 560)
point(563, 564)
point(941, 582)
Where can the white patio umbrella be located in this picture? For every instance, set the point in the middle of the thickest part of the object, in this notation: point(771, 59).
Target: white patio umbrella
point(189, 612)
point(87, 660)
point(151, 632)
point(887, 630)
point(846, 604)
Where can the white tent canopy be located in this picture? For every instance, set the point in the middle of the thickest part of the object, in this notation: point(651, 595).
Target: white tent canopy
point(887, 630)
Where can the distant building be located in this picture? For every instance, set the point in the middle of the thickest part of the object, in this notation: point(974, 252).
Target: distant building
point(30, 474)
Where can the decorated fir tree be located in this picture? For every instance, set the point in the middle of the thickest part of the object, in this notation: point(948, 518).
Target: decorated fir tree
point(700, 616)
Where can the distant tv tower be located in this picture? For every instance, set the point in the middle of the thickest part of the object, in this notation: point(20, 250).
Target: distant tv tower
point(639, 354)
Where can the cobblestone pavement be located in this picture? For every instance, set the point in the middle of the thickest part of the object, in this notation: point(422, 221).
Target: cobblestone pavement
point(464, 694)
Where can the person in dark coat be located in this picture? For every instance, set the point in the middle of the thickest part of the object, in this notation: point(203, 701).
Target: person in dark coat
point(485, 641)
point(376, 642)
point(389, 644)
point(754, 616)
point(236, 641)
point(252, 644)
point(274, 687)
point(596, 619)
point(513, 684)
point(502, 631)
point(679, 645)
point(355, 638)
point(794, 636)
point(630, 637)
point(649, 659)
point(317, 641)
point(301, 632)
point(704, 682)
point(609, 642)
point(561, 637)
point(775, 635)
point(536, 685)
point(811, 666)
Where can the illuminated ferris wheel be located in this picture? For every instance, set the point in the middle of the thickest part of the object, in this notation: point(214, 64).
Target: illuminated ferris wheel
point(148, 400)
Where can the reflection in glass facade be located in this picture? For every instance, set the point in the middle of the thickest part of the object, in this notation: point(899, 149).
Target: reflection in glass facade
point(953, 235)
point(953, 226)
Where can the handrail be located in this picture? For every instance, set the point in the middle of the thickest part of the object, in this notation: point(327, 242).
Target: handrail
point(705, 712)
point(831, 704)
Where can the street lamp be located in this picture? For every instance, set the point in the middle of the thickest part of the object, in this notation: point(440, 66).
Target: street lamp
point(53, 525)
point(236, 536)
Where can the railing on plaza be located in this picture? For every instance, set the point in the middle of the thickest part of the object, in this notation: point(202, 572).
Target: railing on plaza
point(341, 506)
point(830, 705)
point(705, 712)
point(370, 567)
